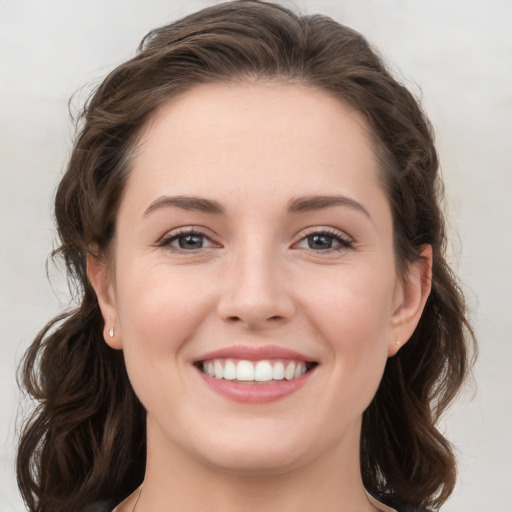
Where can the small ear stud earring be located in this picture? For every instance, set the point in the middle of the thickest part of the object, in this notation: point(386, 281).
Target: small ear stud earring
point(397, 342)
point(111, 332)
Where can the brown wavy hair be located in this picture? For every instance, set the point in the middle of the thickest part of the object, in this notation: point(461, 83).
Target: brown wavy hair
point(86, 439)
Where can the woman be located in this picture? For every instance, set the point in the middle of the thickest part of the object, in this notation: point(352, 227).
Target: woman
point(266, 318)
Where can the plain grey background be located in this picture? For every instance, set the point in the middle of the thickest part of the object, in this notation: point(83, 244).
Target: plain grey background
point(455, 54)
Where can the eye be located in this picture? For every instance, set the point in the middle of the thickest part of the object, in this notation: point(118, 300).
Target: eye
point(324, 241)
point(186, 241)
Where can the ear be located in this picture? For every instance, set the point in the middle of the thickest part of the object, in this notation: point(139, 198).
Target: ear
point(412, 294)
point(101, 280)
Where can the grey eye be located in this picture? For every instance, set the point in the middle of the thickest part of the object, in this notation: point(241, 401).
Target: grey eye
point(324, 241)
point(191, 241)
point(320, 242)
point(186, 241)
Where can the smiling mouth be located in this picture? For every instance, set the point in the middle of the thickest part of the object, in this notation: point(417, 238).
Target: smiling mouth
point(263, 371)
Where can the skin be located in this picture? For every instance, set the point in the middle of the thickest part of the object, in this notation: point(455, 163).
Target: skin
point(257, 280)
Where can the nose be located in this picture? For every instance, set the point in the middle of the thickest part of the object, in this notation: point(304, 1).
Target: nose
point(255, 293)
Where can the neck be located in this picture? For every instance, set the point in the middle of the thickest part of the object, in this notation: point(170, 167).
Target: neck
point(175, 481)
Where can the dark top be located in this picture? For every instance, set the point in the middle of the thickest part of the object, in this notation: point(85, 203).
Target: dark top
point(398, 505)
point(100, 506)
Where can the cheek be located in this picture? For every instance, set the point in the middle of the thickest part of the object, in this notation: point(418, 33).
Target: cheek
point(159, 312)
point(158, 308)
point(354, 303)
point(352, 314)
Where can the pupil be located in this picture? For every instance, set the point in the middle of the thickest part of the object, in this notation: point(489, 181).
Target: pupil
point(191, 242)
point(319, 242)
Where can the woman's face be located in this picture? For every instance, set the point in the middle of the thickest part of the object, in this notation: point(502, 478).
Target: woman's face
point(254, 242)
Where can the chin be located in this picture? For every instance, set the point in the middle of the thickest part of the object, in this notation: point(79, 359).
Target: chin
point(254, 460)
point(270, 449)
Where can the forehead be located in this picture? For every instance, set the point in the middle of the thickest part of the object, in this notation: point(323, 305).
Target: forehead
point(261, 136)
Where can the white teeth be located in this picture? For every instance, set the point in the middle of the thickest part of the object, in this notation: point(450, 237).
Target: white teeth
point(278, 371)
point(230, 370)
point(261, 371)
point(289, 372)
point(210, 369)
point(300, 370)
point(219, 371)
point(245, 370)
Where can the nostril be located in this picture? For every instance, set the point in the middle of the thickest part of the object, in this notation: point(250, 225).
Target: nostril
point(240, 319)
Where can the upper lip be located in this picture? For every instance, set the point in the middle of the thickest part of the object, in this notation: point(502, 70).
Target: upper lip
point(254, 353)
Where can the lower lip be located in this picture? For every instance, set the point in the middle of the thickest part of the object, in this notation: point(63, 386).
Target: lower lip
point(256, 392)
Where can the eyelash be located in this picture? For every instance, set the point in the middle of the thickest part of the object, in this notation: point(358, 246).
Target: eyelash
point(343, 241)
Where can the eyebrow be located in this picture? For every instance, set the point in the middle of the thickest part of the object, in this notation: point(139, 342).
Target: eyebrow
point(198, 204)
point(296, 205)
point(312, 203)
